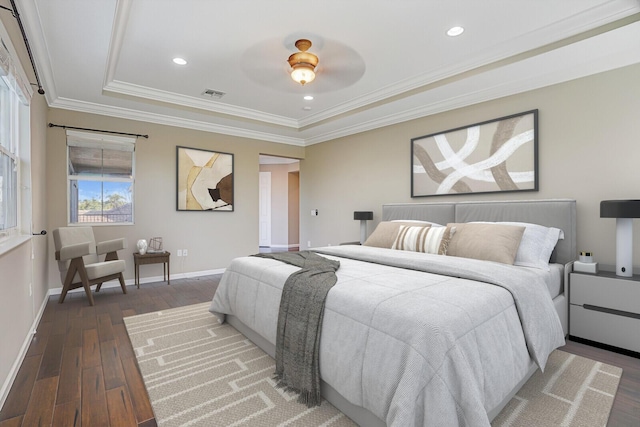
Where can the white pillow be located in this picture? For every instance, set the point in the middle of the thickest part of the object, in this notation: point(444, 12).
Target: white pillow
point(537, 244)
point(432, 240)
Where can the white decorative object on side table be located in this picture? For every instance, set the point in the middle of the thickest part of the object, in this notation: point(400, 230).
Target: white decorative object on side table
point(142, 246)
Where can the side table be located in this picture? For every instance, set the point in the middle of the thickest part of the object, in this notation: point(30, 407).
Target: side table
point(152, 258)
point(605, 308)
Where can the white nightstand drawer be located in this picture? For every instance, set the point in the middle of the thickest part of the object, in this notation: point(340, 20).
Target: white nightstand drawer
point(618, 331)
point(609, 292)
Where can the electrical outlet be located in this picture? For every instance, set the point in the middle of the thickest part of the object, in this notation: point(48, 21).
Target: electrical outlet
point(309, 243)
point(30, 290)
point(185, 252)
point(179, 252)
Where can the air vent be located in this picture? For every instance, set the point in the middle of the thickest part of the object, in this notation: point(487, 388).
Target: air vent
point(213, 93)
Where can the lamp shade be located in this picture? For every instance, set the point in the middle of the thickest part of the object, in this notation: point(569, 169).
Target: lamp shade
point(620, 209)
point(363, 215)
point(623, 211)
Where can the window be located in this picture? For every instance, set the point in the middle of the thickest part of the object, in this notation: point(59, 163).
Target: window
point(14, 146)
point(100, 178)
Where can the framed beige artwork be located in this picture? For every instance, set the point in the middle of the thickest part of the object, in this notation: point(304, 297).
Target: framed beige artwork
point(496, 156)
point(204, 180)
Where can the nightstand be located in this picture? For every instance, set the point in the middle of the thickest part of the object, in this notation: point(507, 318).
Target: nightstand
point(605, 308)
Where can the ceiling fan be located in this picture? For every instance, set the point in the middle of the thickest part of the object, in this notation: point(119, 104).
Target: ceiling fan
point(336, 65)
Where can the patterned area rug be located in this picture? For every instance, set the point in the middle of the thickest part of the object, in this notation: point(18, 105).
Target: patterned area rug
point(201, 373)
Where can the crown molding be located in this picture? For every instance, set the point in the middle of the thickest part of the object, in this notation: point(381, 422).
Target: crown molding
point(129, 89)
point(560, 35)
point(595, 17)
point(512, 48)
point(120, 20)
point(626, 55)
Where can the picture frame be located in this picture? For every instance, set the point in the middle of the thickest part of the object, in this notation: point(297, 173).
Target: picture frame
point(204, 180)
point(494, 156)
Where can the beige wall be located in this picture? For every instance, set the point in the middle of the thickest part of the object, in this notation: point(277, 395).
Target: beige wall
point(39, 111)
point(212, 238)
point(589, 146)
point(16, 306)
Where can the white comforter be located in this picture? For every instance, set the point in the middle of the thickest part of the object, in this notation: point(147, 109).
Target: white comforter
point(414, 348)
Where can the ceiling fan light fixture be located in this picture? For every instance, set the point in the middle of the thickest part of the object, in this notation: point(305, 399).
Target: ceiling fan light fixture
point(303, 63)
point(303, 74)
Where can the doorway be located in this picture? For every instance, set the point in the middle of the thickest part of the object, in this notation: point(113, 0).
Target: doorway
point(279, 204)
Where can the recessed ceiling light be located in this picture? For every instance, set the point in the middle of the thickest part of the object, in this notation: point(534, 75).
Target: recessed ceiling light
point(306, 108)
point(455, 31)
point(308, 98)
point(179, 61)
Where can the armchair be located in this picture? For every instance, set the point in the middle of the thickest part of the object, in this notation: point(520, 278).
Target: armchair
point(78, 262)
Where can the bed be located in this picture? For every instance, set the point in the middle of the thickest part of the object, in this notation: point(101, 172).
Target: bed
point(410, 338)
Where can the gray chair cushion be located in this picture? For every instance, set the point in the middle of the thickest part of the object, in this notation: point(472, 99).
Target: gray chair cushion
point(102, 269)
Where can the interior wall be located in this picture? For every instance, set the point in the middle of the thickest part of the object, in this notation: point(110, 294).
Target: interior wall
point(41, 255)
point(16, 307)
point(213, 239)
point(23, 269)
point(588, 151)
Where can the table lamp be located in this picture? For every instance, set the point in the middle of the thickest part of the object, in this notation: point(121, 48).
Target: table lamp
point(623, 211)
point(363, 216)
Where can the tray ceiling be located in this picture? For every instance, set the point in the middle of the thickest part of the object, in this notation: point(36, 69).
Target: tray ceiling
point(381, 62)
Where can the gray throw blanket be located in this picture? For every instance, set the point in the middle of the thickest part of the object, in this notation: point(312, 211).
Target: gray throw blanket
point(300, 322)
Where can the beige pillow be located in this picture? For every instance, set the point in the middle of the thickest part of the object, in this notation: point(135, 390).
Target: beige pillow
point(385, 234)
point(489, 242)
point(432, 240)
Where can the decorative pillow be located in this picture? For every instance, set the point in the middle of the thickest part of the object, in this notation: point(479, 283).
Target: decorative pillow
point(385, 234)
point(486, 241)
point(432, 240)
point(538, 242)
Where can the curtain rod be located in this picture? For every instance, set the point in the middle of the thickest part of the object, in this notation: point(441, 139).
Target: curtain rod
point(16, 15)
point(137, 135)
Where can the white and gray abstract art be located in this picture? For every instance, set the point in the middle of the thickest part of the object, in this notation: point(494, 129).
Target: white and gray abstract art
point(494, 156)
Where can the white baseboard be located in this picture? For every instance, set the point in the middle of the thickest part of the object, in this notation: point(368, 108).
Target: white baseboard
point(6, 387)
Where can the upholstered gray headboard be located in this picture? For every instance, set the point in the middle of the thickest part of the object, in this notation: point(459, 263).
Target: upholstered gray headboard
point(560, 213)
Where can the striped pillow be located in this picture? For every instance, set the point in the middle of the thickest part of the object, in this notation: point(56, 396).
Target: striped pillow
point(432, 240)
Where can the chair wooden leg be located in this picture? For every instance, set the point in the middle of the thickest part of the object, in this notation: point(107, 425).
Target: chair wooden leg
point(71, 272)
point(85, 283)
point(122, 285)
point(87, 290)
point(98, 287)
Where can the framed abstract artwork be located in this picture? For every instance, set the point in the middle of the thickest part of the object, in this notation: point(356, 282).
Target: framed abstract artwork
point(204, 180)
point(495, 156)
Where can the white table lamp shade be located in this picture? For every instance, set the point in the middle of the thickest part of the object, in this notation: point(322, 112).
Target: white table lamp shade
point(363, 216)
point(623, 211)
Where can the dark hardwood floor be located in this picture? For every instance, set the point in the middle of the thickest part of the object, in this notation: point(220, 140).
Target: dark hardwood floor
point(80, 368)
